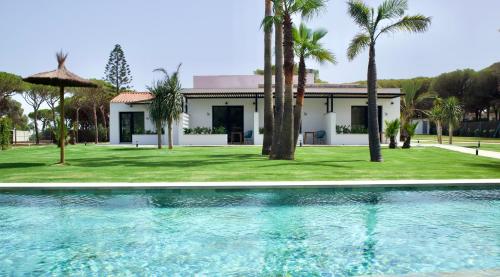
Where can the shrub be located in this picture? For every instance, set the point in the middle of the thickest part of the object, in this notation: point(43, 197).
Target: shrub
point(219, 130)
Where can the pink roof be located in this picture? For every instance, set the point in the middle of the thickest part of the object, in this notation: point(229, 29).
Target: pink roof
point(132, 97)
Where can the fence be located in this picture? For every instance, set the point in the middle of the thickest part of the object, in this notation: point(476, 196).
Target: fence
point(485, 129)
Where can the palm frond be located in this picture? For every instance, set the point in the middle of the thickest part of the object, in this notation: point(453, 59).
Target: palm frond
point(357, 45)
point(411, 23)
point(392, 127)
point(322, 55)
point(360, 12)
point(268, 22)
point(391, 9)
point(309, 8)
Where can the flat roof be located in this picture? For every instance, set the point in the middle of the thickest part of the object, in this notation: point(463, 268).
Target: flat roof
point(311, 92)
point(315, 91)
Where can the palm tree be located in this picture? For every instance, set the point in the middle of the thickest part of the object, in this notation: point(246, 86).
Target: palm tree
point(370, 22)
point(172, 101)
point(157, 110)
point(391, 131)
point(268, 23)
point(437, 116)
point(410, 132)
point(452, 114)
point(283, 12)
point(410, 101)
point(307, 45)
point(268, 86)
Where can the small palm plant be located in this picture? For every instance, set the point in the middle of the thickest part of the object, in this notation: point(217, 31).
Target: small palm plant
point(173, 99)
point(452, 114)
point(307, 45)
point(370, 20)
point(436, 115)
point(391, 131)
point(410, 132)
point(410, 101)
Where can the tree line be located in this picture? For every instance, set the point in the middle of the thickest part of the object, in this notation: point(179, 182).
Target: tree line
point(87, 108)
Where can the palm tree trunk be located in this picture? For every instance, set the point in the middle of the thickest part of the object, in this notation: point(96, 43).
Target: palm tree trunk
point(407, 143)
point(299, 101)
point(170, 143)
point(158, 133)
point(278, 90)
point(61, 125)
point(450, 133)
point(268, 89)
point(373, 131)
point(287, 148)
point(392, 144)
point(37, 135)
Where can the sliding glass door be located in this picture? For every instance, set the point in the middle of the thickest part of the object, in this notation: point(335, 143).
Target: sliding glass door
point(131, 123)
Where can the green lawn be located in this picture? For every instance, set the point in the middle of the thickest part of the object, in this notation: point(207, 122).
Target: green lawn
point(433, 139)
point(491, 144)
point(123, 164)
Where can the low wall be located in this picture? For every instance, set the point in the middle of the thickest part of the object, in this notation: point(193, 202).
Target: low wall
point(204, 139)
point(350, 139)
point(151, 139)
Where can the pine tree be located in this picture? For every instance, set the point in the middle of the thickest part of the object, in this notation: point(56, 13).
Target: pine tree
point(117, 70)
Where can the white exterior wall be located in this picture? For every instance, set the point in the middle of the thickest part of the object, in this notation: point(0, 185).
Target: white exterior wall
point(420, 126)
point(200, 111)
point(315, 117)
point(114, 119)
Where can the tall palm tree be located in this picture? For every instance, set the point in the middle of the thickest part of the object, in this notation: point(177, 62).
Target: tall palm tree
point(157, 107)
point(268, 86)
point(436, 115)
point(268, 22)
point(283, 12)
point(173, 100)
point(370, 22)
point(452, 112)
point(307, 45)
point(409, 103)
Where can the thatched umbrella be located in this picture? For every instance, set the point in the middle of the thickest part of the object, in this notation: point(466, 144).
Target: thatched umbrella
point(61, 77)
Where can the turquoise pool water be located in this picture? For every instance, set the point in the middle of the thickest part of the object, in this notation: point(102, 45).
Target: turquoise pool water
point(248, 232)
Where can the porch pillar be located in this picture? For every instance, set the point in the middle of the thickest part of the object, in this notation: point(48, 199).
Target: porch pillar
point(330, 128)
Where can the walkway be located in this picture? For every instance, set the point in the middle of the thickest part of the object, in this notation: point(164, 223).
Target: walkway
point(482, 153)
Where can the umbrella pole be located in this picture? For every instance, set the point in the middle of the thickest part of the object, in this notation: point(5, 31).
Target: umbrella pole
point(61, 124)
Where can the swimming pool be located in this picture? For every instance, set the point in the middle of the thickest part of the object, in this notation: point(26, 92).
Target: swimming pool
point(300, 232)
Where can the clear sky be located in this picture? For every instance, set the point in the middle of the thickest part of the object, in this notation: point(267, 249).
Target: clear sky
point(221, 37)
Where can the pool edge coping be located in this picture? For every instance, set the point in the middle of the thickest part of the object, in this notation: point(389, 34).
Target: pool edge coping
point(260, 184)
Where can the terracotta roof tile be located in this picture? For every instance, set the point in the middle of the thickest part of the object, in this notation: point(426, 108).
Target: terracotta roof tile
point(132, 97)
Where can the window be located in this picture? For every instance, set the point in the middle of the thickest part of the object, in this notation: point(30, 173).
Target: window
point(359, 119)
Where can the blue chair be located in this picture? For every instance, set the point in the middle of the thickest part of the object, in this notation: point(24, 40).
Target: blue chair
point(248, 137)
point(321, 137)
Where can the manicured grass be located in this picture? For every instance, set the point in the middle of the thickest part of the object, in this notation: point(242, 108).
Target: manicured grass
point(433, 139)
point(124, 164)
point(490, 144)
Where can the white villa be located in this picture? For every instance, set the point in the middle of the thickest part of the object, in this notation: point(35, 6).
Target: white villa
point(333, 114)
